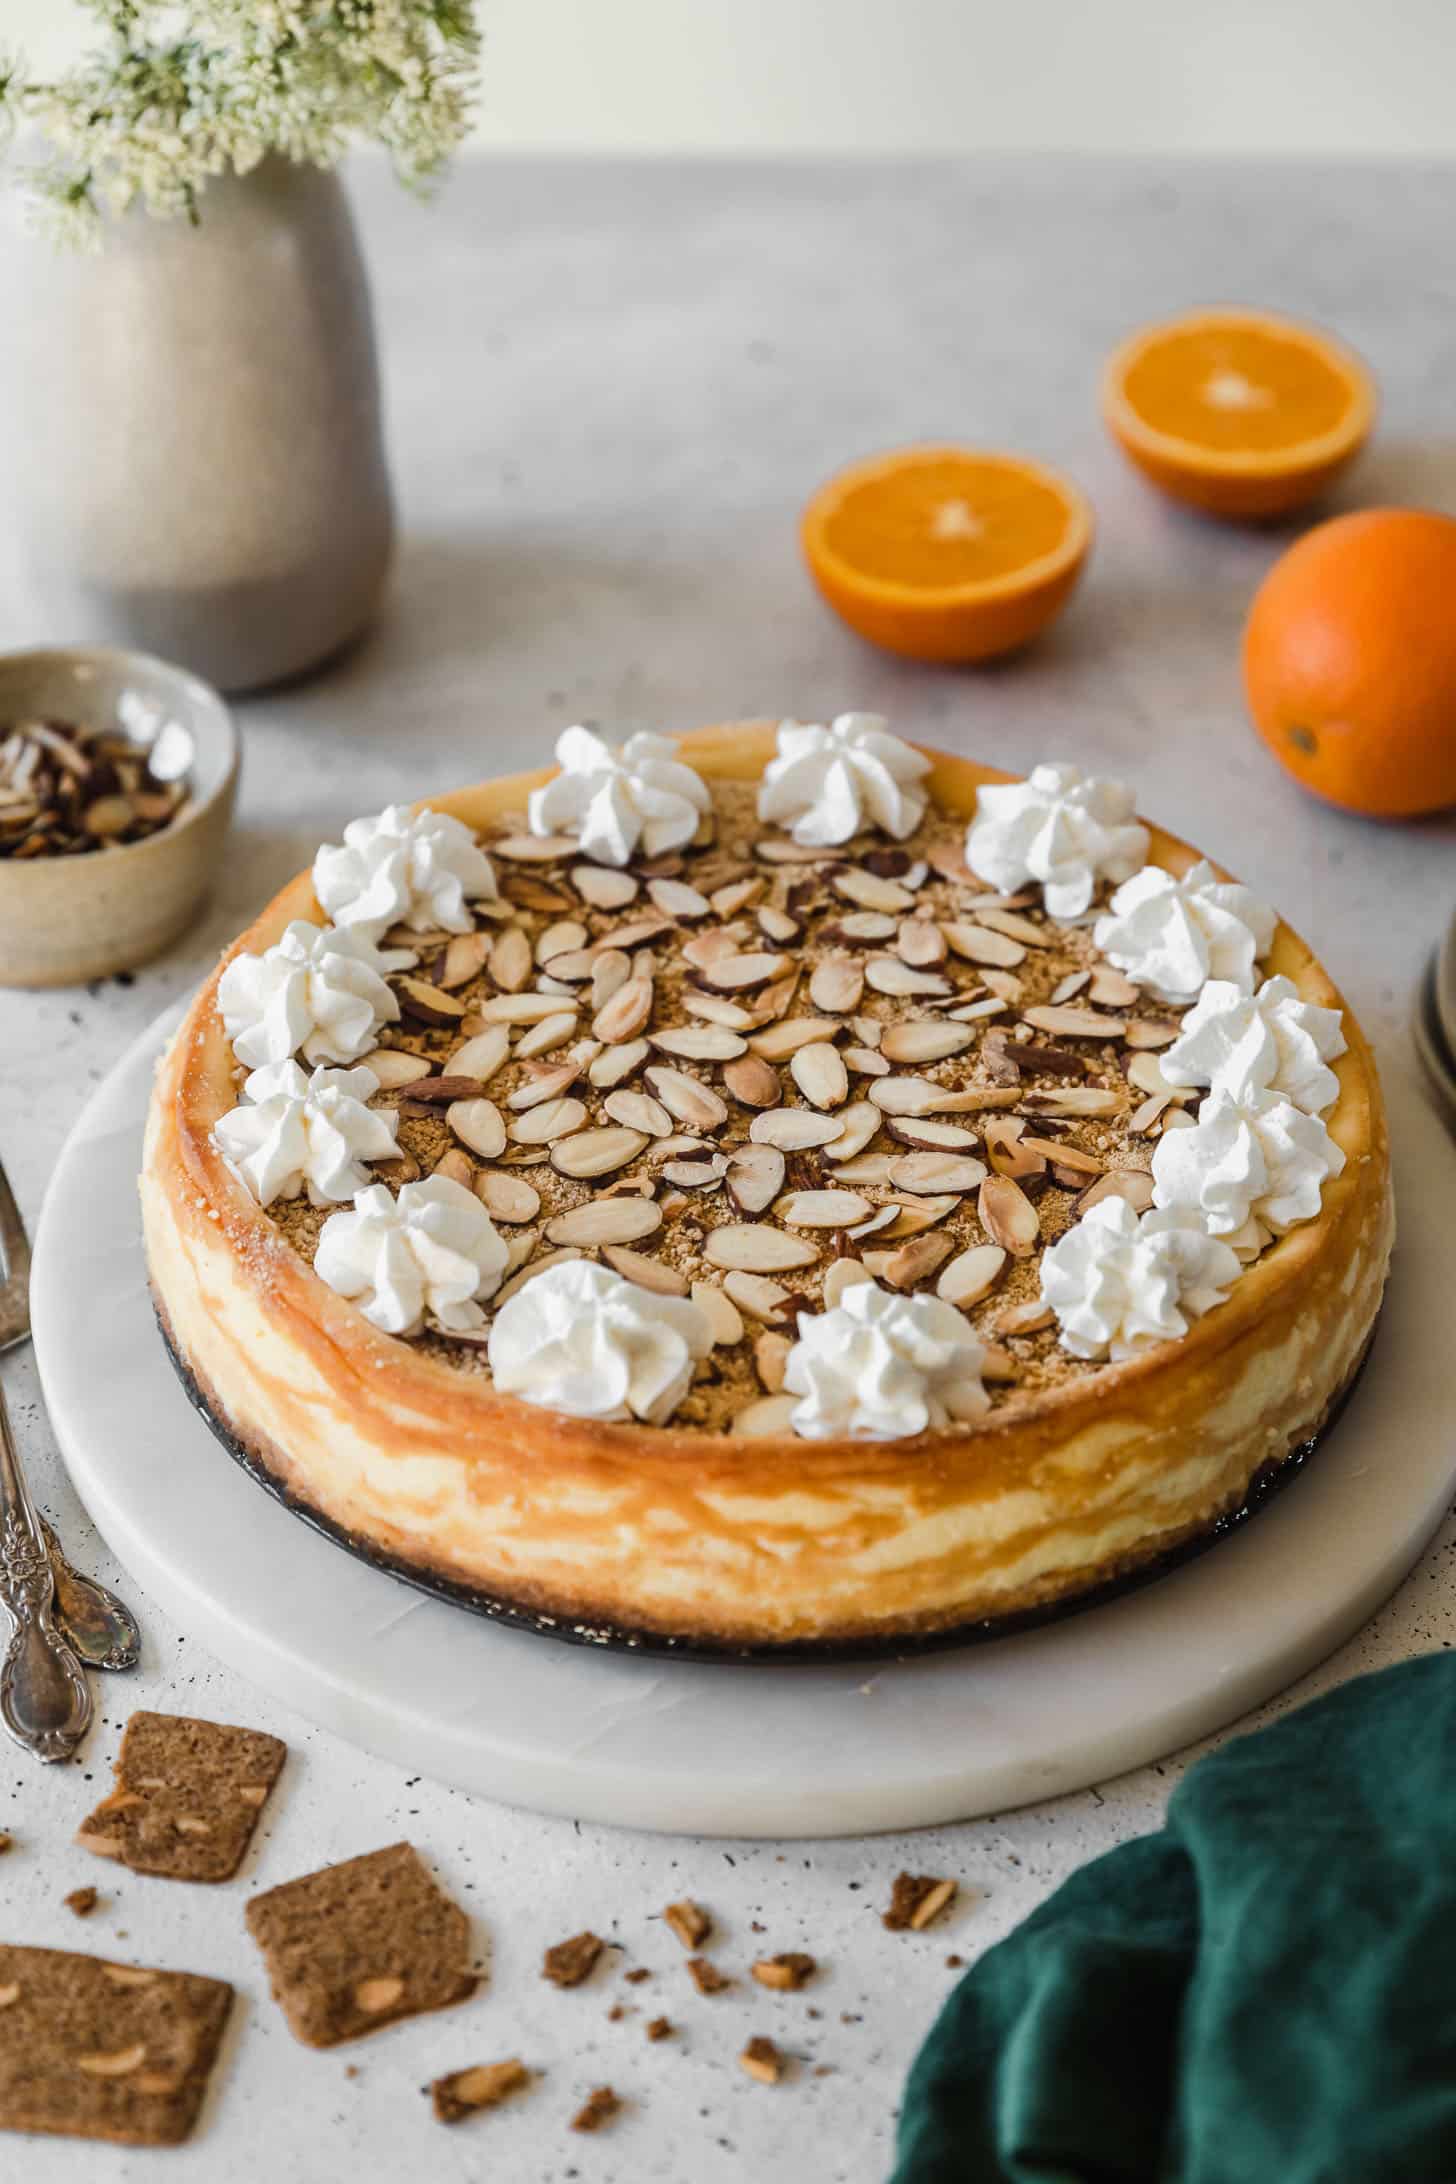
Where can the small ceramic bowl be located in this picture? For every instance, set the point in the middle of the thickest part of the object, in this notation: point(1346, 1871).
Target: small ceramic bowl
point(65, 919)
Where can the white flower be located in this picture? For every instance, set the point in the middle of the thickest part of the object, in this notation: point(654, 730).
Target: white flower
point(317, 991)
point(881, 1367)
point(1252, 1167)
point(419, 869)
point(315, 1131)
point(1271, 1041)
point(1119, 1281)
point(1057, 828)
point(431, 1254)
point(827, 783)
point(581, 1339)
point(1173, 935)
point(617, 800)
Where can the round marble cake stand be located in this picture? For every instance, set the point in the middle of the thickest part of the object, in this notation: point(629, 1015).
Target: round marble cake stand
point(771, 1751)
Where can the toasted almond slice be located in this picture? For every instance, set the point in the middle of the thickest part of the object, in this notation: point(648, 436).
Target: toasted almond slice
point(479, 1126)
point(869, 892)
point(753, 1247)
point(755, 1177)
point(971, 1275)
point(1146, 1072)
point(551, 1120)
point(519, 1008)
point(603, 888)
point(648, 1273)
point(928, 1131)
point(1133, 1184)
point(936, 1172)
point(1109, 989)
point(589, 1153)
point(395, 1069)
point(465, 957)
point(770, 1355)
point(867, 1168)
point(776, 849)
point(916, 1261)
point(793, 1129)
point(1075, 1099)
point(888, 975)
point(1070, 1023)
point(549, 1085)
point(1065, 1156)
point(456, 1167)
point(911, 1215)
point(1022, 929)
point(756, 1295)
point(836, 985)
point(907, 1095)
point(979, 945)
point(862, 929)
point(113, 2062)
point(621, 1220)
point(699, 1043)
point(534, 848)
point(616, 1062)
point(1067, 988)
point(753, 1082)
point(481, 1056)
point(842, 1275)
point(920, 943)
point(735, 895)
point(626, 1013)
point(1151, 1032)
point(725, 1322)
point(694, 1174)
point(677, 900)
point(865, 1062)
point(923, 1039)
point(857, 1125)
point(428, 1004)
point(777, 925)
point(821, 1209)
point(1008, 1216)
point(974, 1011)
point(716, 1008)
point(738, 973)
point(1144, 1120)
point(779, 1042)
point(1007, 1148)
point(511, 962)
point(507, 1197)
point(573, 966)
point(1027, 1318)
point(639, 931)
point(685, 1099)
point(560, 938)
point(770, 1414)
point(610, 972)
point(639, 1112)
point(546, 1037)
point(819, 1072)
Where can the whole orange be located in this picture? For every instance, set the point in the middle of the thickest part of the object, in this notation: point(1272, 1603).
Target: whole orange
point(1350, 661)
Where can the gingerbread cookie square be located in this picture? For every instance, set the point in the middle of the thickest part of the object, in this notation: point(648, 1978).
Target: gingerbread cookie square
point(188, 1796)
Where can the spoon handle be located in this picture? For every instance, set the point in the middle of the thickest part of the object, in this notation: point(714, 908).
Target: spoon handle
point(45, 1700)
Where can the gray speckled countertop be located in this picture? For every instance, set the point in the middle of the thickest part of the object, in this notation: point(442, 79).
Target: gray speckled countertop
point(610, 389)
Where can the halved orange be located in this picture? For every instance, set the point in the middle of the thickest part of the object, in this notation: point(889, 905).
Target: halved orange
point(946, 553)
point(1238, 413)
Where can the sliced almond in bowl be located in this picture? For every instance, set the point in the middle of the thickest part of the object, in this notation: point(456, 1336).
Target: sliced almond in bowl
point(753, 1247)
point(479, 1125)
point(623, 1220)
point(589, 1153)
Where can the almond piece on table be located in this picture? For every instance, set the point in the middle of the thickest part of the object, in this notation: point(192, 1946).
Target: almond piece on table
point(568, 1963)
point(1008, 1216)
point(599, 2107)
point(971, 1275)
point(786, 1973)
point(690, 1922)
point(915, 1900)
point(819, 1072)
point(762, 2060)
point(466, 2092)
point(705, 1974)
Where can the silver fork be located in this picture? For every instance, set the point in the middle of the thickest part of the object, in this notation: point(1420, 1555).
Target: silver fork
point(45, 1700)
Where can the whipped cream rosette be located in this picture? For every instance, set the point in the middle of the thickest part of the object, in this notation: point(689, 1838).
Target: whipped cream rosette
point(299, 1130)
point(581, 1339)
point(879, 1366)
point(619, 800)
point(429, 1256)
point(1253, 1167)
point(1269, 1041)
point(417, 869)
point(1118, 1280)
point(1060, 828)
point(1172, 935)
point(318, 991)
point(825, 784)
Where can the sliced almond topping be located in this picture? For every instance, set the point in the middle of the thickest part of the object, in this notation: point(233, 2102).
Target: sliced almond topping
point(604, 1220)
point(738, 973)
point(610, 972)
point(1144, 1120)
point(511, 961)
point(507, 1197)
point(756, 1295)
point(1070, 1023)
point(770, 1356)
point(858, 1123)
point(974, 1011)
point(836, 985)
point(755, 1176)
point(113, 2062)
point(688, 1101)
point(770, 1415)
point(971, 1275)
point(716, 1008)
point(1007, 1150)
point(596, 1152)
point(753, 1247)
point(549, 1085)
point(519, 1008)
point(842, 1275)
point(934, 1172)
point(781, 1041)
point(762, 2060)
point(481, 1056)
point(907, 1095)
point(479, 1126)
point(1065, 1156)
point(930, 1132)
point(1077, 1099)
point(1110, 990)
point(559, 938)
point(551, 1120)
point(654, 1274)
point(1024, 1319)
point(699, 1043)
point(819, 1072)
point(380, 1993)
point(721, 1313)
point(821, 1209)
point(921, 943)
point(701, 1170)
point(428, 1004)
point(573, 966)
point(1151, 1032)
point(878, 1224)
point(1006, 921)
point(778, 926)
point(735, 896)
point(979, 945)
point(888, 975)
point(639, 1112)
point(1133, 1184)
point(626, 1013)
point(865, 1062)
point(395, 1069)
point(753, 1082)
point(616, 1062)
point(1146, 1072)
point(911, 1216)
point(677, 900)
point(603, 888)
point(1008, 1216)
point(916, 1261)
point(533, 848)
point(867, 1168)
point(639, 931)
point(869, 892)
point(922, 1039)
point(793, 1129)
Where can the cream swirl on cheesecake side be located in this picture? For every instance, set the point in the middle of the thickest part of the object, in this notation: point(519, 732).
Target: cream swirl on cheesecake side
point(317, 991)
point(880, 1367)
point(618, 799)
point(417, 869)
point(1174, 935)
point(1060, 829)
point(1270, 1041)
point(825, 784)
point(299, 1130)
point(582, 1339)
point(1119, 1281)
point(430, 1255)
point(1253, 1167)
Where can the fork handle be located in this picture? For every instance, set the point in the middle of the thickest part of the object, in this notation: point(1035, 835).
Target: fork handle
point(45, 1700)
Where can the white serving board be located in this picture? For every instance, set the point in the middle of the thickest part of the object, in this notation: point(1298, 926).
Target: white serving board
point(791, 1750)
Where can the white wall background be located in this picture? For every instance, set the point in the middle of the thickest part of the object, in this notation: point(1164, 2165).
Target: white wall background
point(1258, 76)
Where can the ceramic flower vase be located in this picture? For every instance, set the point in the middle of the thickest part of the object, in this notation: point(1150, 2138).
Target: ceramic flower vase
point(197, 464)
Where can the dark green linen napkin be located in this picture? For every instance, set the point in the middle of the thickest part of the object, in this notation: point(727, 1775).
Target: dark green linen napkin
point(1262, 1993)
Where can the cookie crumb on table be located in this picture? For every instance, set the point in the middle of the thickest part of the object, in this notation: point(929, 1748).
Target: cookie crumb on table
point(82, 1901)
point(568, 1963)
point(465, 2093)
point(786, 1972)
point(706, 1976)
point(915, 1900)
point(690, 1922)
point(597, 2109)
point(762, 2060)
